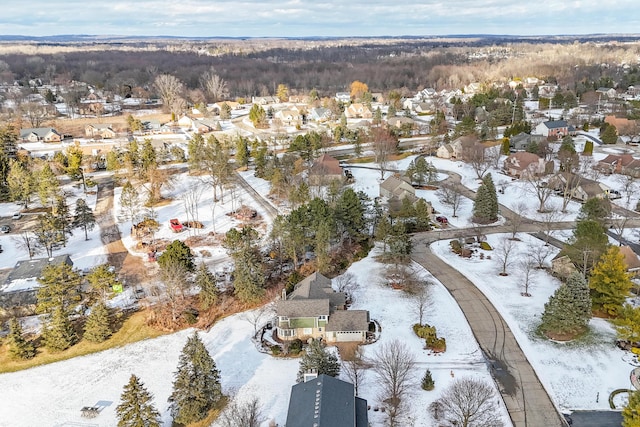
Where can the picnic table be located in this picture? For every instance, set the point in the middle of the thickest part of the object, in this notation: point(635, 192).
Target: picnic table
point(90, 411)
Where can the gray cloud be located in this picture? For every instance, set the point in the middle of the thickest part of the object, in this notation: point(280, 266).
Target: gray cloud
point(309, 18)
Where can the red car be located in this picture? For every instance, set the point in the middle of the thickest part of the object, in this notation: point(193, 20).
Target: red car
point(175, 225)
point(442, 219)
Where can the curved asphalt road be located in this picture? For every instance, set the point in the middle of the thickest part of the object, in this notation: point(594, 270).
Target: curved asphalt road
point(526, 400)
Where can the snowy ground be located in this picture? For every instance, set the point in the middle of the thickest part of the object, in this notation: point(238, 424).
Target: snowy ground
point(60, 390)
point(84, 253)
point(575, 373)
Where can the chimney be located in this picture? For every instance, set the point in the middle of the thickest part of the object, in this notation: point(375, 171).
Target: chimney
point(284, 295)
point(311, 374)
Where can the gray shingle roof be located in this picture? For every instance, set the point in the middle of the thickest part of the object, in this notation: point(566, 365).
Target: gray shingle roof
point(349, 321)
point(303, 308)
point(325, 402)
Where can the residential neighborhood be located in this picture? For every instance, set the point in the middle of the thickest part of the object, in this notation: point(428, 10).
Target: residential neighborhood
point(295, 248)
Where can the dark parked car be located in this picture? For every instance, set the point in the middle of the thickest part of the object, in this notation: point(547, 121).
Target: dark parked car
point(442, 219)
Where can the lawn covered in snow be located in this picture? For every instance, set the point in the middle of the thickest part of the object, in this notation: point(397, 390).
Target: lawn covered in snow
point(574, 373)
point(54, 394)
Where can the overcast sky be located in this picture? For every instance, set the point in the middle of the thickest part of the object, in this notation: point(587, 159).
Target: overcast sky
point(297, 18)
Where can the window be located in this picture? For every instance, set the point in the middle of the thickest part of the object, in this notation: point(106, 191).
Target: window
point(307, 331)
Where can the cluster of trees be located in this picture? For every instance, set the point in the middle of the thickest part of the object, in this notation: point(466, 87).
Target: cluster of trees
point(59, 297)
point(466, 402)
point(601, 285)
point(196, 391)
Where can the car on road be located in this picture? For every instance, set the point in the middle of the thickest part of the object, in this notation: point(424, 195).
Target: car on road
point(16, 215)
point(5, 229)
point(442, 219)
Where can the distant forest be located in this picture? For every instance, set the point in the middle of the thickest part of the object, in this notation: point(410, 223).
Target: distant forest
point(257, 67)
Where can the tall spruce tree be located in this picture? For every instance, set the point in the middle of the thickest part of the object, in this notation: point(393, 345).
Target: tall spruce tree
point(610, 283)
point(196, 387)
point(19, 347)
point(59, 288)
point(568, 311)
point(588, 243)
point(84, 218)
point(316, 358)
point(136, 408)
point(485, 206)
point(206, 281)
point(58, 332)
point(97, 328)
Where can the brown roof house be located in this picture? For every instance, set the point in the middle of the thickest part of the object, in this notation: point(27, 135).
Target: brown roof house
point(581, 188)
point(562, 266)
point(526, 165)
point(324, 170)
point(395, 189)
point(103, 131)
point(315, 310)
point(358, 111)
point(40, 134)
point(614, 163)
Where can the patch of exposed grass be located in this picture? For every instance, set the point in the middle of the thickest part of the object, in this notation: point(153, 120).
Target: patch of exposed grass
point(134, 328)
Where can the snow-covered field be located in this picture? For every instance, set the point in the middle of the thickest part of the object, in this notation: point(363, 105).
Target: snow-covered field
point(574, 373)
point(578, 375)
point(53, 395)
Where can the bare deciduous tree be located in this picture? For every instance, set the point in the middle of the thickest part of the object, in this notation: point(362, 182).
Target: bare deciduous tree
point(214, 86)
point(503, 255)
point(480, 159)
point(191, 201)
point(421, 299)
point(354, 365)
point(469, 402)
point(539, 254)
point(346, 283)
point(450, 195)
point(394, 365)
point(170, 89)
point(242, 414)
point(27, 241)
point(540, 188)
point(549, 218)
point(384, 145)
point(520, 210)
point(258, 315)
point(527, 271)
point(618, 224)
point(629, 186)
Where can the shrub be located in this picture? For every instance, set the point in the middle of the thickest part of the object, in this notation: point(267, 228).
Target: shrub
point(276, 350)
point(456, 247)
point(190, 316)
point(486, 246)
point(427, 381)
point(430, 336)
point(296, 346)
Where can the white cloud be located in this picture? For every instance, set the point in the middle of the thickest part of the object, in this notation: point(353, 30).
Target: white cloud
point(306, 17)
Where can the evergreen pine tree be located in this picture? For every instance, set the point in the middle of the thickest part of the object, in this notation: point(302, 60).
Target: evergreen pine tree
point(568, 310)
point(485, 206)
point(58, 333)
point(427, 381)
point(316, 358)
point(84, 218)
point(610, 283)
point(19, 347)
point(97, 327)
point(196, 385)
point(206, 281)
point(631, 412)
point(136, 408)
